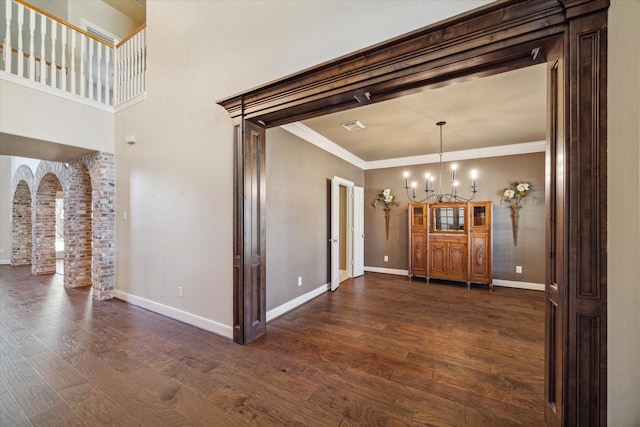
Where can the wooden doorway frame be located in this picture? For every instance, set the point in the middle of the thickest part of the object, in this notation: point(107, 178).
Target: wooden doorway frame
point(499, 37)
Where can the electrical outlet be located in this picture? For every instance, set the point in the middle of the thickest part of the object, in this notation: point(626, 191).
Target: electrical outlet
point(300, 281)
point(180, 291)
point(386, 258)
point(518, 269)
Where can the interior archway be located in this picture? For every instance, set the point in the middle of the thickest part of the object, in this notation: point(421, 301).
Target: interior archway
point(44, 227)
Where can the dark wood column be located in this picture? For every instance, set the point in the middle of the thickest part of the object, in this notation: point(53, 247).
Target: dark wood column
point(586, 203)
point(249, 238)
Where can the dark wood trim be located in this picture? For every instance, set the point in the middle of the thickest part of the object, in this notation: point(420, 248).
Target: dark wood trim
point(502, 36)
point(555, 283)
point(587, 231)
point(249, 233)
point(498, 37)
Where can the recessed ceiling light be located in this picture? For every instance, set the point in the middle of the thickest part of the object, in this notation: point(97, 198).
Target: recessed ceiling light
point(354, 125)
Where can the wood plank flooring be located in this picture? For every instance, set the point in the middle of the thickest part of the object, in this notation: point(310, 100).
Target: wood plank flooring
point(380, 351)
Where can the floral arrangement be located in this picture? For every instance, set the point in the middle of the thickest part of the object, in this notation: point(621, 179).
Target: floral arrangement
point(385, 197)
point(514, 195)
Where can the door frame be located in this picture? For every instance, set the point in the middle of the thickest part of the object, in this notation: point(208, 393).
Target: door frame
point(336, 183)
point(499, 37)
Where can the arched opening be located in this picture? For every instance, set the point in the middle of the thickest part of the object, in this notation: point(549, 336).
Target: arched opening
point(44, 227)
point(78, 215)
point(21, 242)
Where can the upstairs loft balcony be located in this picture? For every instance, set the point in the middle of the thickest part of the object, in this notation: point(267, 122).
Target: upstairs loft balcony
point(45, 52)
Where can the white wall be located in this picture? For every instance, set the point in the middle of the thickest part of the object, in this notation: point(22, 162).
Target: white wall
point(101, 15)
point(623, 269)
point(176, 183)
point(33, 113)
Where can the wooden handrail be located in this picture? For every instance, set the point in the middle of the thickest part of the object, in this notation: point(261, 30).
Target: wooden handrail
point(67, 24)
point(130, 36)
point(27, 55)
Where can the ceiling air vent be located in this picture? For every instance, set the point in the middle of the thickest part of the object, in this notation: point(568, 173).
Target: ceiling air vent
point(354, 125)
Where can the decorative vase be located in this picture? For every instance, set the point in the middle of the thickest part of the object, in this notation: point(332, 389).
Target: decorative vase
point(387, 214)
point(514, 223)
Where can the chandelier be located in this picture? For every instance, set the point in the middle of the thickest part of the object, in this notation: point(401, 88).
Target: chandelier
point(440, 196)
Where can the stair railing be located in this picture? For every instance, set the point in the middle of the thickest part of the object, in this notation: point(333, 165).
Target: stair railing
point(46, 50)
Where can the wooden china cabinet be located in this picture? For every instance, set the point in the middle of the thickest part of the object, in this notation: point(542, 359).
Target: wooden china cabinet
point(451, 241)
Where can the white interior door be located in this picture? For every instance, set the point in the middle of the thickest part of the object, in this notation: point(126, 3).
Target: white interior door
point(358, 231)
point(336, 182)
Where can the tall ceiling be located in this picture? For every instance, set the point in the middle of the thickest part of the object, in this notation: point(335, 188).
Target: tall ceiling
point(503, 109)
point(134, 9)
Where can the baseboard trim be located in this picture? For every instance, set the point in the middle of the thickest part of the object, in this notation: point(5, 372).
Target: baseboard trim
point(176, 314)
point(521, 285)
point(395, 271)
point(296, 302)
point(5, 261)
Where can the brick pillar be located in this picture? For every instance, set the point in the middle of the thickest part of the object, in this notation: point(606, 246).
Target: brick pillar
point(77, 227)
point(21, 225)
point(102, 170)
point(44, 226)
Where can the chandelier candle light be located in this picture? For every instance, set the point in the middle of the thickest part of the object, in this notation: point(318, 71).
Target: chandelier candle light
point(429, 186)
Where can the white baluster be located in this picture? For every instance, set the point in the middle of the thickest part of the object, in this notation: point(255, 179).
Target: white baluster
point(91, 67)
point(7, 38)
point(99, 81)
point(20, 57)
point(116, 75)
point(127, 69)
point(43, 59)
point(144, 59)
point(54, 67)
point(136, 63)
point(132, 68)
point(32, 44)
point(63, 63)
point(72, 60)
point(140, 63)
point(107, 85)
point(83, 65)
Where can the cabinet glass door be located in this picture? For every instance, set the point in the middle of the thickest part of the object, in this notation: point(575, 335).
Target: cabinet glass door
point(418, 216)
point(448, 219)
point(479, 216)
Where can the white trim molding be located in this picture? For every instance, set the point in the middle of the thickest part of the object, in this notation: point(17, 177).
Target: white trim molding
point(296, 302)
point(313, 137)
point(521, 285)
point(176, 314)
point(453, 156)
point(382, 270)
point(302, 131)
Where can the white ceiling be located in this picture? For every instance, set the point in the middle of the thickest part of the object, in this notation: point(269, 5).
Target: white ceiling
point(134, 9)
point(503, 109)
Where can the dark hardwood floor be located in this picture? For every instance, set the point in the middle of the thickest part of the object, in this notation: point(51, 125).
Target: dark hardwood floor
point(379, 351)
